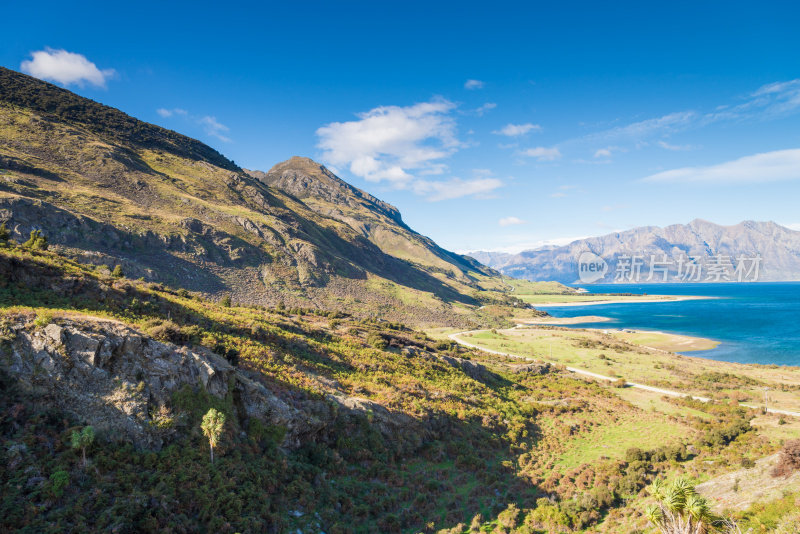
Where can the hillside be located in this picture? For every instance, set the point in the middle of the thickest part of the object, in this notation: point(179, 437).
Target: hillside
point(109, 189)
point(167, 281)
point(330, 421)
point(779, 248)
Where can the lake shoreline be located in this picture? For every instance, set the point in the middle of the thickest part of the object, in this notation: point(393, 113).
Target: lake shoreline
point(654, 300)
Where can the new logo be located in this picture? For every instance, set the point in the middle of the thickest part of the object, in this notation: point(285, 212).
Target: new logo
point(591, 267)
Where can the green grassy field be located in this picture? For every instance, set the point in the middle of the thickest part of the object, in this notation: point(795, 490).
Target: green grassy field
point(645, 431)
point(607, 355)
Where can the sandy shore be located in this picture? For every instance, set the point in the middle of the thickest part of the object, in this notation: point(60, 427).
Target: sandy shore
point(620, 300)
point(665, 341)
point(565, 320)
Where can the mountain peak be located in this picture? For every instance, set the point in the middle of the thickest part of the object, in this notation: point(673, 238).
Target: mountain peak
point(310, 181)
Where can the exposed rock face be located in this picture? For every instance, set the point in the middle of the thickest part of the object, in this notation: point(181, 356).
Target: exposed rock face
point(304, 178)
point(542, 368)
point(117, 379)
point(779, 248)
point(472, 369)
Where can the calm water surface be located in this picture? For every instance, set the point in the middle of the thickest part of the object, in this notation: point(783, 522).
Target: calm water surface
point(755, 323)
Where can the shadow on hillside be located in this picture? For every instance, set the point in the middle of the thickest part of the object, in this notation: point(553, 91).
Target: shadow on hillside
point(354, 259)
point(408, 469)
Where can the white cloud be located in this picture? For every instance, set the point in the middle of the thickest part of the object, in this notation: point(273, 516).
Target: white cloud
point(170, 112)
point(793, 226)
point(513, 130)
point(480, 111)
point(667, 146)
point(768, 101)
point(65, 68)
point(766, 167)
point(401, 146)
point(392, 142)
point(510, 221)
point(214, 128)
point(210, 124)
point(456, 188)
point(519, 243)
point(473, 84)
point(603, 153)
point(542, 153)
point(641, 130)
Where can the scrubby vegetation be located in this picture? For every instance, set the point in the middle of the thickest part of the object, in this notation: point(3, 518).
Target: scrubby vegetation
point(789, 460)
point(484, 444)
point(385, 429)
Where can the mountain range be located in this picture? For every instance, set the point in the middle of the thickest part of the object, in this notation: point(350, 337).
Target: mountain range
point(764, 251)
point(111, 190)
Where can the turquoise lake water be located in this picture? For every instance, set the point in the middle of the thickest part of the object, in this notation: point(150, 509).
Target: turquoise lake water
point(755, 322)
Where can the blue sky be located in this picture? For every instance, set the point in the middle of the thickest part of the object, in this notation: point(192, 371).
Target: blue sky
point(494, 126)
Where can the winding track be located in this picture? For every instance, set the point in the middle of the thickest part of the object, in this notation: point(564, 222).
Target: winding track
point(597, 376)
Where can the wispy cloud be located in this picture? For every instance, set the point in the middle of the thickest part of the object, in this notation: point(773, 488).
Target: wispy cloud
point(542, 153)
point(170, 112)
point(666, 146)
point(774, 166)
point(514, 130)
point(209, 123)
point(214, 128)
point(606, 152)
point(65, 68)
point(518, 243)
point(510, 221)
point(637, 131)
point(473, 84)
point(455, 188)
point(767, 102)
point(482, 110)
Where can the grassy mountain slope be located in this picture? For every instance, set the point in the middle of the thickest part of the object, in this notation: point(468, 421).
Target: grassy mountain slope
point(114, 190)
point(377, 221)
point(372, 427)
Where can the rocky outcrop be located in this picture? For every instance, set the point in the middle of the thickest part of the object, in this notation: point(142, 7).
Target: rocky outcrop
point(538, 368)
point(472, 369)
point(118, 379)
point(122, 382)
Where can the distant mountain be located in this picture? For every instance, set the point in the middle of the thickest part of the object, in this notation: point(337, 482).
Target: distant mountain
point(667, 252)
point(110, 189)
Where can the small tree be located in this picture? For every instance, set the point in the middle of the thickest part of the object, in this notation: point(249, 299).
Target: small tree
point(213, 424)
point(82, 440)
point(117, 272)
point(226, 301)
point(5, 234)
point(37, 241)
point(680, 510)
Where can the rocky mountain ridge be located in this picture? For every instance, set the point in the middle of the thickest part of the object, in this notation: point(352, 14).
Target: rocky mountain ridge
point(778, 248)
point(109, 189)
